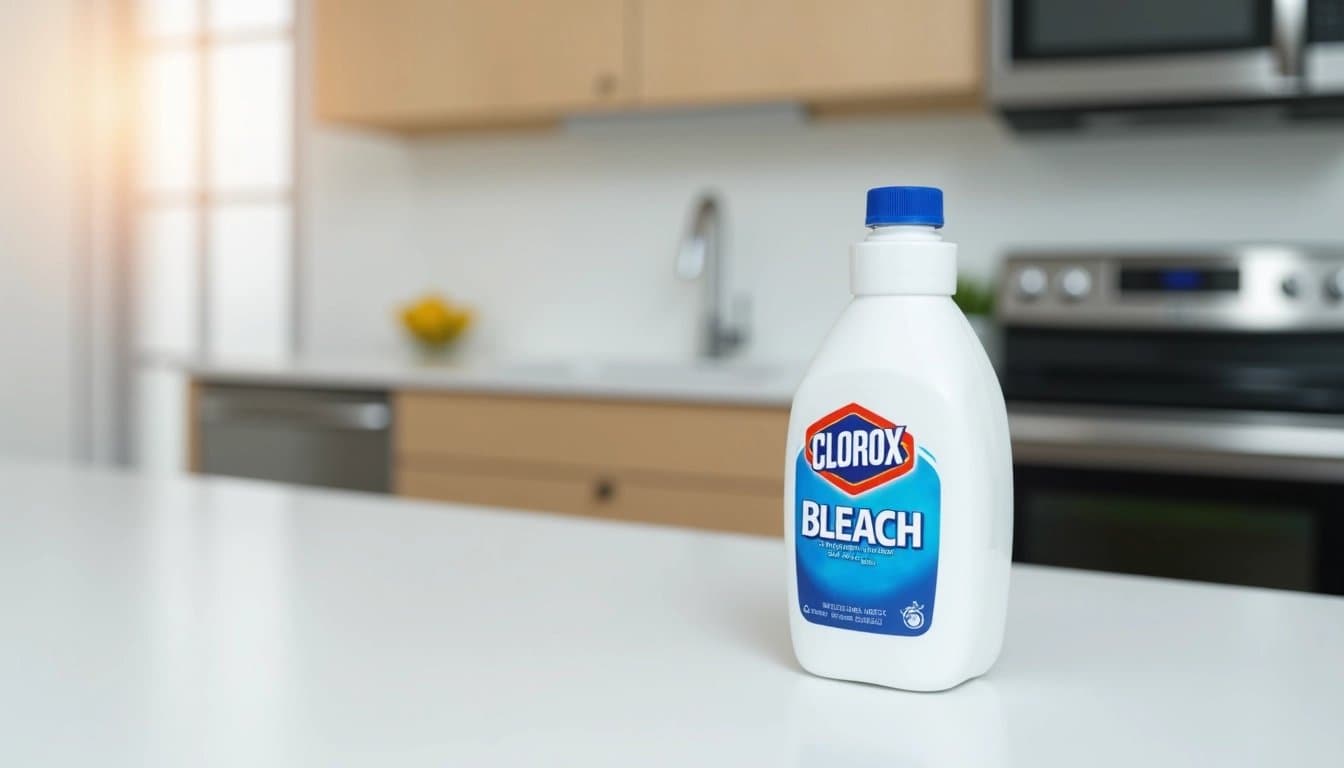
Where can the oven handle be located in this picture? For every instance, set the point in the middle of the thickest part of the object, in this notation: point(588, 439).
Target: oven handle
point(1239, 444)
point(1290, 35)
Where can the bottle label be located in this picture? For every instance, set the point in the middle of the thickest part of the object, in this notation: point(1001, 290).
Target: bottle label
point(866, 512)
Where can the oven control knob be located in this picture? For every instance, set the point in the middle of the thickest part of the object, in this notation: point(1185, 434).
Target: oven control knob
point(1075, 283)
point(1334, 284)
point(1031, 283)
point(1291, 286)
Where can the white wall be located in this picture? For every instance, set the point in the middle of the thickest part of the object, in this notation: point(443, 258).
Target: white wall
point(564, 241)
point(358, 222)
point(38, 239)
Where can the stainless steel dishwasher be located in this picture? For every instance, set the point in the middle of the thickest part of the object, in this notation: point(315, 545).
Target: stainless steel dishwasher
point(338, 439)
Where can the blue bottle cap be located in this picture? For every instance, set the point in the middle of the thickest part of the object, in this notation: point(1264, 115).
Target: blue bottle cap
point(904, 205)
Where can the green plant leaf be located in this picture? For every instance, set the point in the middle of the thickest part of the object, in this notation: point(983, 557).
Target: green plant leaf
point(973, 297)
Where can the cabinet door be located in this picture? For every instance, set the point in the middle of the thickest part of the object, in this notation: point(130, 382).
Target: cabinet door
point(712, 51)
point(427, 63)
point(685, 502)
point(702, 466)
point(716, 441)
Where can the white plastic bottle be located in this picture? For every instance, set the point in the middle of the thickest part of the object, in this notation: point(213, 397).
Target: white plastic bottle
point(898, 485)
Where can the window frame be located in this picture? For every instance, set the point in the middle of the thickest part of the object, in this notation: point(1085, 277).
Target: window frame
point(200, 197)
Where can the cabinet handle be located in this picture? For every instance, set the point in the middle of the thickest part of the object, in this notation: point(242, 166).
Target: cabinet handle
point(604, 490)
point(605, 84)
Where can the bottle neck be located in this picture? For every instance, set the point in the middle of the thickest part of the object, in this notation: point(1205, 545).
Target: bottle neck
point(903, 260)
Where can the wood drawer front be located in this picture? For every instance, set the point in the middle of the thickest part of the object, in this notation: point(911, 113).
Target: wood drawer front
point(716, 506)
point(714, 441)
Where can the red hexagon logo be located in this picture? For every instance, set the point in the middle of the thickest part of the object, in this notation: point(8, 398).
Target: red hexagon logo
point(857, 450)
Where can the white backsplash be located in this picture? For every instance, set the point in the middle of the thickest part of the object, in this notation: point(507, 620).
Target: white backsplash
point(564, 240)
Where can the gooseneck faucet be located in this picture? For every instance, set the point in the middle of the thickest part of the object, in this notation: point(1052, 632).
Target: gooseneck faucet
point(701, 257)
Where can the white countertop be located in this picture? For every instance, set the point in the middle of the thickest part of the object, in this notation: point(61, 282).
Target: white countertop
point(744, 383)
point(216, 622)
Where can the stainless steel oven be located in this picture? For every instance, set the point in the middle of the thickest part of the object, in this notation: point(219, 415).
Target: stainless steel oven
point(1180, 412)
point(1054, 61)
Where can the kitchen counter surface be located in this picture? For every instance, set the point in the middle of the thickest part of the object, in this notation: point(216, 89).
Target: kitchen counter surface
point(742, 383)
point(182, 622)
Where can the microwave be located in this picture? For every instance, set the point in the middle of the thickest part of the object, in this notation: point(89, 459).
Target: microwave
point(1057, 63)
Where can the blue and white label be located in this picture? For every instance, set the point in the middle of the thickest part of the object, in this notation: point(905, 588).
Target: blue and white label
point(866, 514)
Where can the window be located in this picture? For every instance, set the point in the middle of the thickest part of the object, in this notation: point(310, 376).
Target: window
point(214, 212)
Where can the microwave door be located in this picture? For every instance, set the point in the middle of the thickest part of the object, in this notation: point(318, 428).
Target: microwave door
point(1066, 52)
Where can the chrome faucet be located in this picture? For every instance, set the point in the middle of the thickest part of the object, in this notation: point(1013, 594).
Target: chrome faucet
point(701, 257)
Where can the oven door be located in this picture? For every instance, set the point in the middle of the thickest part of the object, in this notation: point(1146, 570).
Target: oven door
point(1067, 53)
point(1248, 499)
point(1324, 61)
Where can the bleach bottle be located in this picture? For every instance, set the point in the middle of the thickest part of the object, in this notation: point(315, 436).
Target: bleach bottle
point(898, 484)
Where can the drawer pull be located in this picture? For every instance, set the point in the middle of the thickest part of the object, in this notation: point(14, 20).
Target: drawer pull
point(604, 85)
point(604, 491)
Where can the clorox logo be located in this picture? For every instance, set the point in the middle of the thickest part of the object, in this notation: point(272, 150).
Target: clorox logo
point(856, 450)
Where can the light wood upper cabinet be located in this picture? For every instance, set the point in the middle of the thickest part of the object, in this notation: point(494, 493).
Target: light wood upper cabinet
point(410, 64)
point(427, 64)
point(817, 51)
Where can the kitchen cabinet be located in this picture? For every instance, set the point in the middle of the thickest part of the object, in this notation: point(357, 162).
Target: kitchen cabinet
point(412, 64)
point(705, 466)
point(426, 64)
point(709, 51)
